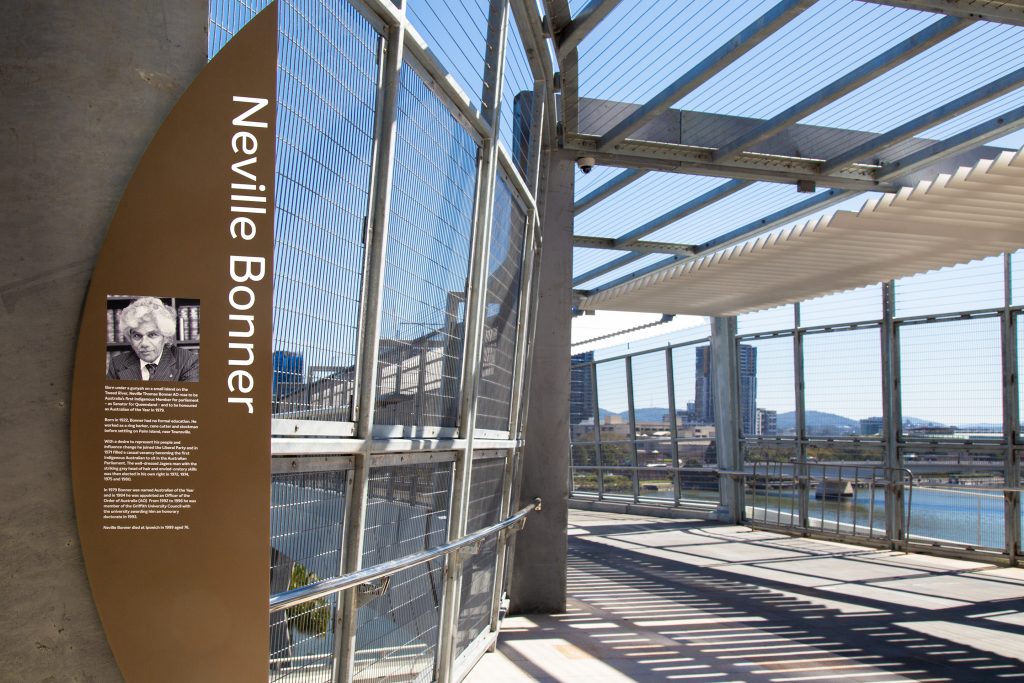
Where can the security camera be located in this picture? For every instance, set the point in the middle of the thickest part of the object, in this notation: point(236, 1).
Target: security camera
point(586, 163)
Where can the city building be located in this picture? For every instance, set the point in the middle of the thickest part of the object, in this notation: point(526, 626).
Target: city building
point(704, 387)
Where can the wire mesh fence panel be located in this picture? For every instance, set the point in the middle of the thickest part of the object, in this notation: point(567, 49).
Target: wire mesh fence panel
point(307, 513)
point(772, 489)
point(406, 512)
point(971, 286)
point(227, 17)
point(457, 33)
point(855, 305)
point(478, 571)
point(501, 324)
point(582, 425)
point(698, 471)
point(691, 380)
point(1017, 278)
point(846, 483)
point(843, 383)
point(958, 495)
point(613, 400)
point(951, 379)
point(655, 486)
point(327, 85)
point(768, 320)
point(618, 482)
point(425, 274)
point(767, 393)
point(516, 98)
point(650, 403)
point(584, 481)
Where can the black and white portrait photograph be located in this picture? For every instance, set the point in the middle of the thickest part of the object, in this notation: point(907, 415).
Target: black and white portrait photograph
point(152, 338)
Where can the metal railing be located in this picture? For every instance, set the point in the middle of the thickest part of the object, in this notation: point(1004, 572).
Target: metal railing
point(846, 499)
point(363, 578)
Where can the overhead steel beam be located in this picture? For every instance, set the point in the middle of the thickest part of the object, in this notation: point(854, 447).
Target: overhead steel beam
point(1005, 12)
point(916, 44)
point(736, 47)
point(558, 19)
point(630, 239)
point(770, 168)
point(585, 22)
point(684, 209)
point(620, 181)
point(816, 203)
point(610, 267)
point(977, 97)
point(641, 247)
point(970, 139)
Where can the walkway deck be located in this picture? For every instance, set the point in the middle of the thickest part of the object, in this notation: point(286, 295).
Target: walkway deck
point(670, 600)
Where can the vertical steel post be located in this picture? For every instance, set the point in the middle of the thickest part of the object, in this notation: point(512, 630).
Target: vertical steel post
point(673, 429)
point(519, 380)
point(369, 338)
point(598, 455)
point(476, 311)
point(892, 418)
point(632, 429)
point(1011, 416)
point(800, 447)
point(726, 381)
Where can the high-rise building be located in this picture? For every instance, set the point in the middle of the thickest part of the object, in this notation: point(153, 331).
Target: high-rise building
point(581, 388)
point(704, 403)
point(766, 422)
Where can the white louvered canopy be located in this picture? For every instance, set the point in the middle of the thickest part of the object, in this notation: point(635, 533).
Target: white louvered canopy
point(975, 213)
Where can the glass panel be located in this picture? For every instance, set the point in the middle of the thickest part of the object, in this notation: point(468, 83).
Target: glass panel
point(951, 379)
point(843, 383)
point(502, 321)
point(327, 85)
point(969, 287)
point(423, 307)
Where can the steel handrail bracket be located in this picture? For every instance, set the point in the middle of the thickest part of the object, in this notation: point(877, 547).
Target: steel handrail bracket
point(373, 581)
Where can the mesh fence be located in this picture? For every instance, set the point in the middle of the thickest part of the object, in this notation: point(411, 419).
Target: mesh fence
point(485, 492)
point(972, 286)
point(327, 84)
point(843, 383)
point(425, 274)
point(407, 511)
point(951, 379)
point(502, 320)
point(306, 522)
point(227, 17)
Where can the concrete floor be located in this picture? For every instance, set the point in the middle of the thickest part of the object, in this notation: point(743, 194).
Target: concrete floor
point(671, 600)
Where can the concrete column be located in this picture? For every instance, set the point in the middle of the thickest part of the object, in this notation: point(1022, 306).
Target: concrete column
point(85, 85)
point(726, 381)
point(538, 578)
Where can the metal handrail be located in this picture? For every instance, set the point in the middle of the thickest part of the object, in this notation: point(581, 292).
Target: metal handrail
point(319, 589)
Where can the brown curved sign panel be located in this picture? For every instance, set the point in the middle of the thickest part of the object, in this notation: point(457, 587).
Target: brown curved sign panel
point(170, 439)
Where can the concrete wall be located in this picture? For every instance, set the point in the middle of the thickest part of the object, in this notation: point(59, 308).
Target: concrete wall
point(84, 86)
point(539, 570)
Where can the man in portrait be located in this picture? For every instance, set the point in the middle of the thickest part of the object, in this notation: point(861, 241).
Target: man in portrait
point(149, 326)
